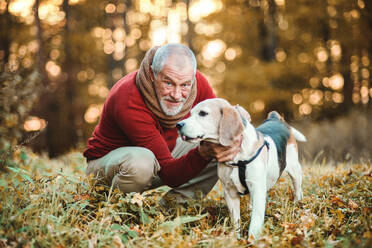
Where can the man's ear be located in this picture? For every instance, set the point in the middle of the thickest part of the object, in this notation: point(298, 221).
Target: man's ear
point(231, 126)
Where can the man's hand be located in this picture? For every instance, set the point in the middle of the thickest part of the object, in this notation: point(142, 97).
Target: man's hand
point(209, 150)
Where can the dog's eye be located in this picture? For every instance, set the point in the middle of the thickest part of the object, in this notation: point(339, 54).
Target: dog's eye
point(203, 113)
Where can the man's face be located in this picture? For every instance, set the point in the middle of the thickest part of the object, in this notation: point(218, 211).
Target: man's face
point(173, 86)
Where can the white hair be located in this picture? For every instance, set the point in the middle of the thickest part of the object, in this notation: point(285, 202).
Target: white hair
point(162, 54)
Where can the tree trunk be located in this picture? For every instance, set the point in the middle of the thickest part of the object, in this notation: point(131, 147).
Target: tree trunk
point(40, 53)
point(368, 16)
point(268, 31)
point(190, 28)
point(68, 117)
point(59, 104)
point(128, 5)
point(5, 24)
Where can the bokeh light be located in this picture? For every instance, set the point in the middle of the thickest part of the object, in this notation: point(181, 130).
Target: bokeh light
point(92, 113)
point(305, 109)
point(213, 49)
point(203, 8)
point(336, 82)
point(258, 106)
point(34, 123)
point(297, 98)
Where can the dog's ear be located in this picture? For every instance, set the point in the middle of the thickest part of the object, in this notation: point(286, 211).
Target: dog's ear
point(243, 113)
point(231, 126)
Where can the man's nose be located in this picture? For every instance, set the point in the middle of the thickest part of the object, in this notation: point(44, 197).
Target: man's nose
point(179, 125)
point(176, 93)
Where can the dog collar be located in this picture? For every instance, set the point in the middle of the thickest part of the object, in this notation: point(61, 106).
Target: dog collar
point(242, 164)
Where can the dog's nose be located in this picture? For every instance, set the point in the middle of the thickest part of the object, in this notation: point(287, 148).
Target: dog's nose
point(179, 125)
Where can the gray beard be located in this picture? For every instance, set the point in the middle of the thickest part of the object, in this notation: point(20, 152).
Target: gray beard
point(171, 111)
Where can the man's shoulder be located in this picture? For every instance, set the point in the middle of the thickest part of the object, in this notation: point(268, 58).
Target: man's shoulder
point(125, 82)
point(200, 78)
point(205, 90)
point(124, 95)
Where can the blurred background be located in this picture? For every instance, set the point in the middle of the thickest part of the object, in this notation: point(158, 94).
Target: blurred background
point(307, 59)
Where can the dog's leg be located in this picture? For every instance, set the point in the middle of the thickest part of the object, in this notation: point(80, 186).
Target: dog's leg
point(233, 203)
point(258, 195)
point(294, 170)
point(256, 182)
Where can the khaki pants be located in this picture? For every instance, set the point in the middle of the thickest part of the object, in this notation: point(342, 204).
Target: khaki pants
point(135, 169)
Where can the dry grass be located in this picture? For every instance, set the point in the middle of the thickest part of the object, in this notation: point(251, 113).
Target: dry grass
point(347, 138)
point(50, 203)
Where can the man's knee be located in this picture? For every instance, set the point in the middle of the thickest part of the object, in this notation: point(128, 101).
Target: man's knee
point(137, 171)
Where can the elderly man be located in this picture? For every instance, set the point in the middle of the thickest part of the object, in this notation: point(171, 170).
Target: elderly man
point(135, 147)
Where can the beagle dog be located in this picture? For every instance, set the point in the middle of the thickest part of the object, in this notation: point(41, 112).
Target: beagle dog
point(266, 151)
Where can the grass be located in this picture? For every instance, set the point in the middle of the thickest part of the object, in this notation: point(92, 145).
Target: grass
point(50, 203)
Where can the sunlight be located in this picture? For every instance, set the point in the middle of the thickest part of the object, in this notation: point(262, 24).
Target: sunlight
point(108, 47)
point(174, 26)
point(73, 2)
point(93, 112)
point(297, 98)
point(316, 97)
point(3, 5)
point(258, 106)
point(155, 7)
point(110, 8)
point(22, 8)
point(118, 34)
point(230, 53)
point(51, 13)
point(203, 8)
point(336, 82)
point(280, 2)
point(305, 109)
point(213, 49)
point(336, 50)
point(34, 123)
point(131, 64)
point(322, 54)
point(280, 55)
point(158, 34)
point(52, 68)
point(337, 97)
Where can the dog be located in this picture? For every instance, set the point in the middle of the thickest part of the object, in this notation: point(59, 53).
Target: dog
point(265, 152)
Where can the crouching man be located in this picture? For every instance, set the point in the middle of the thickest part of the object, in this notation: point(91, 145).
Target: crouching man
point(135, 146)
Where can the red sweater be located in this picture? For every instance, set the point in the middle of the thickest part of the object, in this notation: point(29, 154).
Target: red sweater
point(126, 121)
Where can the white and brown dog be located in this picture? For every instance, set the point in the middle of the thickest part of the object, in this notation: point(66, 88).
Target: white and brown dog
point(265, 153)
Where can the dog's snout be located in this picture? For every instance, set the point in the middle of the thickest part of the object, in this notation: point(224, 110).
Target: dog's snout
point(179, 125)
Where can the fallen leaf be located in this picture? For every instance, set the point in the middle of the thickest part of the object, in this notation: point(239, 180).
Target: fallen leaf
point(366, 210)
point(340, 216)
point(81, 197)
point(307, 221)
point(137, 199)
point(337, 201)
point(297, 240)
point(352, 205)
point(277, 216)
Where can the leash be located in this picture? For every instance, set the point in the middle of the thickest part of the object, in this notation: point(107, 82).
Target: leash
point(241, 164)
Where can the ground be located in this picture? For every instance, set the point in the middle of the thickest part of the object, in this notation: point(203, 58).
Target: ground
point(51, 203)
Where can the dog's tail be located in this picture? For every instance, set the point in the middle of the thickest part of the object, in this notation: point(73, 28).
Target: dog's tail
point(298, 135)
